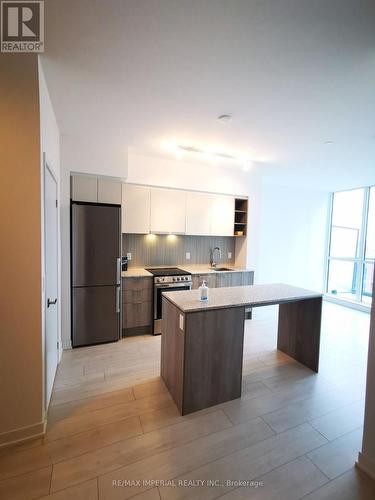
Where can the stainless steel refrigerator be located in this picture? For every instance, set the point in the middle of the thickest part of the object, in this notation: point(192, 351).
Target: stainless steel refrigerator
point(95, 273)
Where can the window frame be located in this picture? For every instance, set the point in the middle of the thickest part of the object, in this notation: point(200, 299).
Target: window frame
point(361, 260)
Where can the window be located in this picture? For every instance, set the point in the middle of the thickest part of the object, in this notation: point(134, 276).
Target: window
point(352, 245)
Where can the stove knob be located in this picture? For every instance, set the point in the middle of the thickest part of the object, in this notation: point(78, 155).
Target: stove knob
point(178, 279)
point(174, 279)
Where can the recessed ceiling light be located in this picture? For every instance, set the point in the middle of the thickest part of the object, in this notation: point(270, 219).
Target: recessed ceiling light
point(328, 143)
point(224, 118)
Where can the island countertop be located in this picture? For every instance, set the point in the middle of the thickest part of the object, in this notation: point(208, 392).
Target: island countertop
point(239, 296)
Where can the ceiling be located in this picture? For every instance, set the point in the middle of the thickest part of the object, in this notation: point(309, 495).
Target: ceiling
point(293, 74)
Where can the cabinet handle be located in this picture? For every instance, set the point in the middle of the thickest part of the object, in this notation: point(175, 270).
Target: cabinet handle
point(118, 299)
point(118, 270)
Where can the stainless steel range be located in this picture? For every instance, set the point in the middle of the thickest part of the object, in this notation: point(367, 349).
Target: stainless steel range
point(167, 279)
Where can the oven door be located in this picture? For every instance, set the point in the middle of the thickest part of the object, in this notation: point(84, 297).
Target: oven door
point(159, 289)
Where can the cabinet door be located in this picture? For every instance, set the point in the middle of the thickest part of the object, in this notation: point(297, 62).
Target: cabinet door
point(210, 280)
point(109, 191)
point(135, 209)
point(248, 278)
point(198, 279)
point(136, 314)
point(168, 211)
point(236, 279)
point(136, 290)
point(222, 216)
point(84, 188)
point(196, 282)
point(223, 279)
point(198, 213)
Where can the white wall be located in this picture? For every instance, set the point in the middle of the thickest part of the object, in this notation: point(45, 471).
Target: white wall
point(50, 146)
point(293, 222)
point(181, 174)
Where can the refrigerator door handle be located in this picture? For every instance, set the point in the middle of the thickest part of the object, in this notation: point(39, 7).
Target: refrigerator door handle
point(118, 270)
point(118, 289)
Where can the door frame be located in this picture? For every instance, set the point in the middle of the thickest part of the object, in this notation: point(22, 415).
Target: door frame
point(46, 166)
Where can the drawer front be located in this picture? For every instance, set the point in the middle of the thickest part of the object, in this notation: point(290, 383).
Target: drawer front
point(136, 314)
point(136, 283)
point(141, 295)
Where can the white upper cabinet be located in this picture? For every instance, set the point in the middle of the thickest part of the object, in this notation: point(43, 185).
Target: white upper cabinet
point(168, 211)
point(109, 191)
point(135, 209)
point(222, 215)
point(84, 188)
point(198, 206)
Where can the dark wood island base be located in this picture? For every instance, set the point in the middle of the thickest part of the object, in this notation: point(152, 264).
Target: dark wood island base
point(202, 346)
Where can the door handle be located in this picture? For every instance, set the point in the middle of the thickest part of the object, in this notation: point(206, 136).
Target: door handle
point(118, 270)
point(118, 289)
point(51, 302)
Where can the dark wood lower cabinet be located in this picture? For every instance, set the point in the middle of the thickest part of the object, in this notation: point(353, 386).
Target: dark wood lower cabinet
point(137, 297)
point(137, 306)
point(221, 279)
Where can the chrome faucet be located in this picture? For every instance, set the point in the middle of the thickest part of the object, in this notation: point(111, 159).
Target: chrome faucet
point(215, 256)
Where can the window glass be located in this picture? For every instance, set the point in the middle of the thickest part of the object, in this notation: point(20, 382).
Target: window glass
point(346, 223)
point(370, 236)
point(342, 278)
point(352, 245)
point(368, 276)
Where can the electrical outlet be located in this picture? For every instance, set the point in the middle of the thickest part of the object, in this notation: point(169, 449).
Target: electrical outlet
point(187, 255)
point(229, 255)
point(129, 256)
point(181, 322)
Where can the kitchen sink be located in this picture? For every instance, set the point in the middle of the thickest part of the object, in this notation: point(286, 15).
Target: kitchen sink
point(221, 269)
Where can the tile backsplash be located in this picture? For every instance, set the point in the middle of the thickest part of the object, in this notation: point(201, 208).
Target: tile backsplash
point(170, 250)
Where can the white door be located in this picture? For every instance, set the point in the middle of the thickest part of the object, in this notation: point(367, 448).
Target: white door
point(51, 280)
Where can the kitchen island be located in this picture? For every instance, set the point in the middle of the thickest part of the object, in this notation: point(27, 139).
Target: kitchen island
point(202, 342)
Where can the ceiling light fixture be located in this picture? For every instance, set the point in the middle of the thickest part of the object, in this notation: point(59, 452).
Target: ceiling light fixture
point(224, 118)
point(193, 149)
point(212, 155)
point(328, 143)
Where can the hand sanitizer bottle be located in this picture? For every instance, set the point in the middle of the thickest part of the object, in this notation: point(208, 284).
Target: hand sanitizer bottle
point(203, 292)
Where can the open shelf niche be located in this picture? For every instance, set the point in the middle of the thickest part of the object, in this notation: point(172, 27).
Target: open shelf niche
point(240, 217)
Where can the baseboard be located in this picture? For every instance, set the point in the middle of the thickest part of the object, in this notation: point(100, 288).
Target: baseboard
point(22, 434)
point(366, 465)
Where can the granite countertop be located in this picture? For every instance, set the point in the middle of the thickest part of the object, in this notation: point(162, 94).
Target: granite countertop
point(239, 296)
point(139, 272)
point(199, 269)
point(136, 272)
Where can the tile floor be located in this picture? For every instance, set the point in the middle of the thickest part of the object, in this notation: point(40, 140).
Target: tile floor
point(114, 432)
